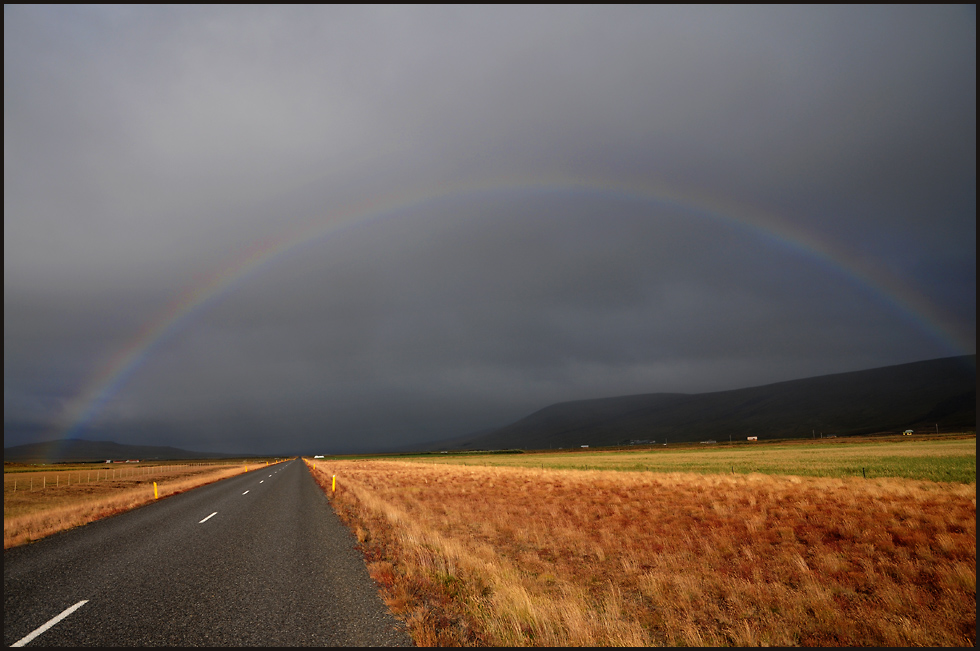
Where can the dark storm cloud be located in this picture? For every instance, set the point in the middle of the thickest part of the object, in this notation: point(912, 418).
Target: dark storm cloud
point(417, 322)
point(145, 147)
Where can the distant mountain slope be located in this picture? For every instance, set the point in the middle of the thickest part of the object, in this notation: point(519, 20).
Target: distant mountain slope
point(917, 395)
point(81, 450)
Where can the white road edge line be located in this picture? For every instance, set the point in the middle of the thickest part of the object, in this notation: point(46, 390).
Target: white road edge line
point(51, 622)
point(208, 518)
point(245, 493)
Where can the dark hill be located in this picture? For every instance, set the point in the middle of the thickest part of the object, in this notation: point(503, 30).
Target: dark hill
point(919, 396)
point(81, 450)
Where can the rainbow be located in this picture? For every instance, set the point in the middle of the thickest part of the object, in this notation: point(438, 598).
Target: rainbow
point(108, 380)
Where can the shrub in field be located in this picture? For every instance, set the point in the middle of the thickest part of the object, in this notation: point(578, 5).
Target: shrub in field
point(510, 556)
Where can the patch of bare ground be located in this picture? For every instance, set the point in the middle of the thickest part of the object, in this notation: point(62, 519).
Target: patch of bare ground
point(518, 557)
point(70, 498)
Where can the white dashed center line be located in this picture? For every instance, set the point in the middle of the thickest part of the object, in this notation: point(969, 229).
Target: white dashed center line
point(261, 481)
point(245, 493)
point(51, 622)
point(208, 518)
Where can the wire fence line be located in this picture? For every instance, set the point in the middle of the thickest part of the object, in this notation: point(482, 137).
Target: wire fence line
point(44, 479)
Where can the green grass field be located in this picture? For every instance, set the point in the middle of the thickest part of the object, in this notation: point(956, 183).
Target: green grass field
point(945, 459)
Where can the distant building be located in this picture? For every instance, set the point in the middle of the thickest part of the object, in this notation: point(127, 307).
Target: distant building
point(585, 446)
point(752, 438)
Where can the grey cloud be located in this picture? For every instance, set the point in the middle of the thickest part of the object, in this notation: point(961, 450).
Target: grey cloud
point(430, 307)
point(144, 148)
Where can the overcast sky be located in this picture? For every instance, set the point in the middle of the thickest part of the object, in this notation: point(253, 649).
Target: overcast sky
point(472, 212)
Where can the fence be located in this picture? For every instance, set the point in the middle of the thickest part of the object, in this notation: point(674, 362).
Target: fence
point(32, 480)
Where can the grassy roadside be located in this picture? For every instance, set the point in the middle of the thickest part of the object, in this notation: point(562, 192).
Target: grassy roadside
point(434, 611)
point(509, 556)
point(70, 501)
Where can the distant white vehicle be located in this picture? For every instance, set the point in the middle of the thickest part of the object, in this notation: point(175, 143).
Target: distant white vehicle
point(907, 432)
point(317, 456)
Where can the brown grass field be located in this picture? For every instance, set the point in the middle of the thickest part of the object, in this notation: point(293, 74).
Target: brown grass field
point(81, 494)
point(507, 556)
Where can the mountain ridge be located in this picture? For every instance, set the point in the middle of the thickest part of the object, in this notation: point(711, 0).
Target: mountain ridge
point(890, 398)
point(80, 450)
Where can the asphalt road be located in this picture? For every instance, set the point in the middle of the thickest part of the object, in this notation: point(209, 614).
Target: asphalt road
point(273, 566)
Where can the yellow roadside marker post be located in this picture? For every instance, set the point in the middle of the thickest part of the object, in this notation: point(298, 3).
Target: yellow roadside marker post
point(155, 494)
point(333, 486)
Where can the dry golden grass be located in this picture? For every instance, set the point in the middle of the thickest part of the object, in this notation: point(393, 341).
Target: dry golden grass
point(509, 556)
point(68, 500)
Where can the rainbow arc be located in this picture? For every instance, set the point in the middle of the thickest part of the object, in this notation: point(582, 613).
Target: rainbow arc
point(112, 376)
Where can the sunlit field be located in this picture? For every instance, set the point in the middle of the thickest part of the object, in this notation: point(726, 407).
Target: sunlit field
point(944, 458)
point(40, 502)
point(493, 555)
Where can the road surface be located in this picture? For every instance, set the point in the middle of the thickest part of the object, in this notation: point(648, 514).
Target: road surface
point(259, 559)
